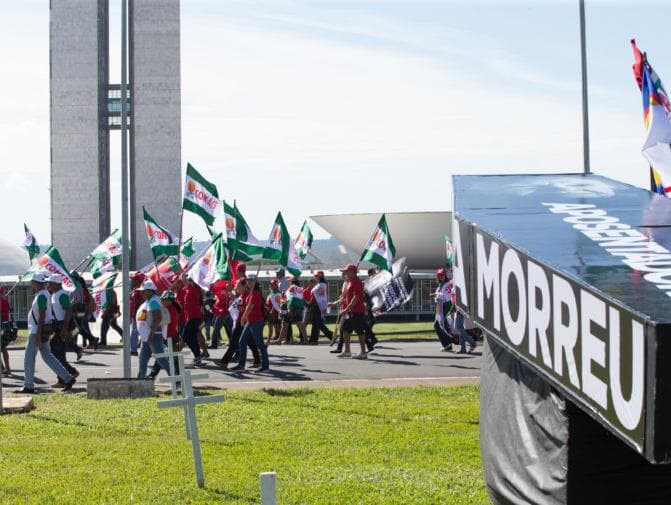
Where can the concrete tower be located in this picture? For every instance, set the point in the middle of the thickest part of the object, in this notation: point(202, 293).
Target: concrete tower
point(85, 107)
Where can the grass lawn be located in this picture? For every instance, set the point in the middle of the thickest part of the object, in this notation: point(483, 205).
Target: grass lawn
point(331, 446)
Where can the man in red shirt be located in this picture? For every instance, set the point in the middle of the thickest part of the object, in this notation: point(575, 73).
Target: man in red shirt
point(253, 321)
point(191, 299)
point(353, 311)
point(222, 317)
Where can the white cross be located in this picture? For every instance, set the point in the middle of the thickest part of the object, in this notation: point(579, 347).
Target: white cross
point(188, 403)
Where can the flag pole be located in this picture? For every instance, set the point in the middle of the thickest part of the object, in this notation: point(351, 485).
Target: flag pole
point(125, 273)
point(583, 67)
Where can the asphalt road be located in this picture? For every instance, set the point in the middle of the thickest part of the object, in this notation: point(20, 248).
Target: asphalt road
point(391, 363)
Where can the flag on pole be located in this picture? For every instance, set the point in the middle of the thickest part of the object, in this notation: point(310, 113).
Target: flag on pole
point(163, 275)
point(187, 252)
point(30, 244)
point(200, 195)
point(103, 293)
point(281, 249)
point(304, 241)
point(380, 249)
point(107, 256)
point(212, 266)
point(161, 241)
point(51, 262)
point(241, 241)
point(449, 249)
point(656, 111)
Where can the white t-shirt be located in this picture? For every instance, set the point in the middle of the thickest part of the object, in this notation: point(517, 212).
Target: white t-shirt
point(144, 317)
point(321, 295)
point(42, 298)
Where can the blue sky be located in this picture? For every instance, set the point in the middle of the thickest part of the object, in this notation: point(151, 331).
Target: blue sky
point(287, 103)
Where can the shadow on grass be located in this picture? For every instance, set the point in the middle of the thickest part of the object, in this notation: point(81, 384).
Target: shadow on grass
point(293, 393)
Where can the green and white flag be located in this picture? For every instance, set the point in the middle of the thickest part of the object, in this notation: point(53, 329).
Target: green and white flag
point(31, 244)
point(242, 243)
point(281, 248)
point(304, 241)
point(103, 292)
point(449, 249)
point(52, 263)
point(211, 266)
point(200, 195)
point(380, 249)
point(161, 241)
point(107, 256)
point(187, 252)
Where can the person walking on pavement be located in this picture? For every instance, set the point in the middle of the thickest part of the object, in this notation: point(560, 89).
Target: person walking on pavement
point(61, 312)
point(222, 317)
point(39, 327)
point(193, 314)
point(274, 306)
point(353, 312)
point(443, 297)
point(135, 301)
point(319, 306)
point(151, 317)
point(6, 320)
point(253, 321)
point(109, 316)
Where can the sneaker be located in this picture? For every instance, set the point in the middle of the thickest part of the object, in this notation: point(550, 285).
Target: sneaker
point(68, 385)
point(336, 351)
point(256, 365)
point(26, 391)
point(197, 362)
point(362, 355)
point(206, 354)
point(344, 355)
point(447, 348)
point(237, 368)
point(133, 354)
point(371, 347)
point(471, 349)
point(461, 351)
point(58, 385)
point(80, 353)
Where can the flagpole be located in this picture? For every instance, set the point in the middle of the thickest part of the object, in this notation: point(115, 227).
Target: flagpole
point(125, 273)
point(583, 67)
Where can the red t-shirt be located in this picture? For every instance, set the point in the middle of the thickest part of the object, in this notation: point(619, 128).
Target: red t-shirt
point(179, 298)
point(5, 310)
point(191, 306)
point(351, 289)
point(173, 327)
point(221, 301)
point(255, 298)
point(307, 296)
point(135, 300)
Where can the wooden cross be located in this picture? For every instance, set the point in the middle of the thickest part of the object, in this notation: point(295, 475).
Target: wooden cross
point(188, 403)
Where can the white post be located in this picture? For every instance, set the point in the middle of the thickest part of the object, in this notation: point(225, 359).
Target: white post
point(268, 488)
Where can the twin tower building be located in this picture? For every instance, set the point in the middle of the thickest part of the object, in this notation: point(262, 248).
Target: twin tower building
point(86, 111)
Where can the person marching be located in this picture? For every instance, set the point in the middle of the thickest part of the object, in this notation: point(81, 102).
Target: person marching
point(61, 312)
point(353, 311)
point(83, 308)
point(294, 314)
point(320, 297)
point(6, 319)
point(191, 309)
point(135, 301)
point(151, 317)
point(237, 309)
point(252, 320)
point(39, 327)
point(222, 317)
point(274, 305)
point(443, 296)
point(172, 330)
point(109, 316)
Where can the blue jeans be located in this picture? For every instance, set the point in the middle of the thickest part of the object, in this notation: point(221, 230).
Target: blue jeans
point(253, 331)
point(464, 337)
point(154, 345)
point(133, 336)
point(47, 357)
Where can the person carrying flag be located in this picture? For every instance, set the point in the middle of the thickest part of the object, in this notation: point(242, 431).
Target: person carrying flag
point(252, 320)
point(274, 305)
point(443, 298)
point(353, 311)
point(319, 306)
point(222, 316)
point(61, 311)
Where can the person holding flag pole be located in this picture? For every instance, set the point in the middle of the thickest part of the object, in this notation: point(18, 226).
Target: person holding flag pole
point(33, 250)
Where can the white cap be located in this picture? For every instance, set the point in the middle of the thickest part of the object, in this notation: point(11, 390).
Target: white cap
point(39, 277)
point(148, 285)
point(56, 279)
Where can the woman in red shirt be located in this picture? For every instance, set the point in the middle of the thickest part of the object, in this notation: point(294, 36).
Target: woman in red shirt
point(193, 314)
point(253, 321)
point(222, 317)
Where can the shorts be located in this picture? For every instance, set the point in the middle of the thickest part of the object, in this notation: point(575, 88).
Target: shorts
point(295, 315)
point(355, 323)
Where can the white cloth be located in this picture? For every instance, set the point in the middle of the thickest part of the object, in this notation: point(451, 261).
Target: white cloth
point(321, 295)
point(57, 309)
point(34, 312)
point(144, 318)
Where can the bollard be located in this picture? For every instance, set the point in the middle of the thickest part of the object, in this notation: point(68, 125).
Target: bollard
point(268, 488)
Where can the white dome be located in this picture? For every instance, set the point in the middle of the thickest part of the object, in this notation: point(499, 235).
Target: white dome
point(13, 259)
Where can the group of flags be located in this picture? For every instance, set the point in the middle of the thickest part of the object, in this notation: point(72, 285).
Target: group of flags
point(657, 120)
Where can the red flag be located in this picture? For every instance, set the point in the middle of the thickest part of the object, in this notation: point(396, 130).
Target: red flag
point(639, 61)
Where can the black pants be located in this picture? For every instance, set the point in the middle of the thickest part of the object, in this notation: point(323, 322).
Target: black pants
point(371, 340)
point(108, 320)
point(225, 322)
point(84, 330)
point(318, 324)
point(58, 349)
point(233, 345)
point(443, 335)
point(191, 330)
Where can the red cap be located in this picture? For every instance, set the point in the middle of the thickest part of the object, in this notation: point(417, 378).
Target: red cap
point(138, 276)
point(241, 267)
point(350, 267)
point(441, 271)
point(320, 273)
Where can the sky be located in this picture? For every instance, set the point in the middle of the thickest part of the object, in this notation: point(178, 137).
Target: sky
point(321, 107)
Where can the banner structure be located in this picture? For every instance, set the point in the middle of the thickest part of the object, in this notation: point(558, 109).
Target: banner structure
point(571, 274)
point(200, 196)
point(380, 249)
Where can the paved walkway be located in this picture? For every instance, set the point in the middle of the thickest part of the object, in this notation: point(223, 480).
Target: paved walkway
point(390, 364)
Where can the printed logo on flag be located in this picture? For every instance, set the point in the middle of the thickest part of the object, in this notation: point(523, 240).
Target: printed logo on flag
point(230, 224)
point(198, 195)
point(277, 235)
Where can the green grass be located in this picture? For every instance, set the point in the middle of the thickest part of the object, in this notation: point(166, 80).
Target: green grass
point(331, 446)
